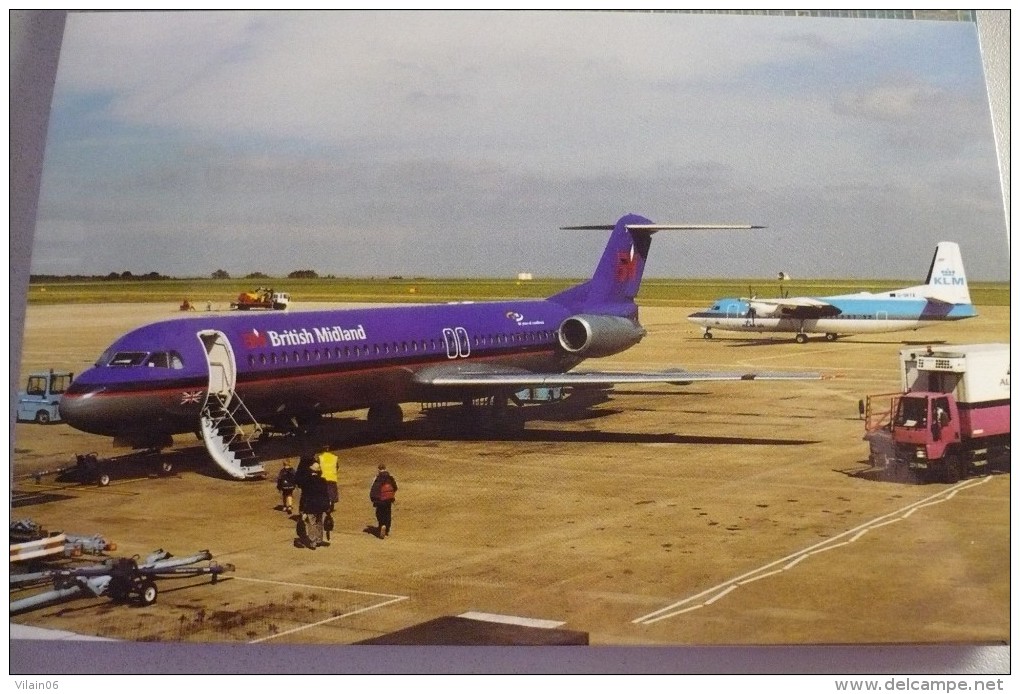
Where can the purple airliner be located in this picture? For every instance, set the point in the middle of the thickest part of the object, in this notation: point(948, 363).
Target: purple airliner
point(224, 375)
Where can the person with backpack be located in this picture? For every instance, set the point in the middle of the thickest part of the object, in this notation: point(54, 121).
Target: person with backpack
point(382, 495)
point(314, 505)
point(286, 482)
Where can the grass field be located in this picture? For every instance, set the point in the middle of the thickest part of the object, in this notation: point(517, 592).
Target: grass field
point(654, 292)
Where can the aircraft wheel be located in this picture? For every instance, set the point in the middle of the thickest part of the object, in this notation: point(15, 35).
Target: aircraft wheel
point(42, 417)
point(385, 418)
point(801, 338)
point(707, 335)
point(148, 592)
point(830, 337)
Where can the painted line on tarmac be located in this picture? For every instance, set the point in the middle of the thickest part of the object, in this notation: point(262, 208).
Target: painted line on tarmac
point(512, 619)
point(392, 599)
point(711, 595)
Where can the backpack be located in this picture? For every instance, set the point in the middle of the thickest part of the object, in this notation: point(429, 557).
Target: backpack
point(386, 491)
point(286, 479)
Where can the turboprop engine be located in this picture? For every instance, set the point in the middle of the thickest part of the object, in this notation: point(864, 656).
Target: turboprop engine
point(599, 336)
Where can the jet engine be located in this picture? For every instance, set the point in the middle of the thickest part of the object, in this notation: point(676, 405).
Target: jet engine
point(599, 336)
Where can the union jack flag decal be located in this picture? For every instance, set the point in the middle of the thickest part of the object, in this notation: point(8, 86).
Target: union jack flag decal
point(194, 397)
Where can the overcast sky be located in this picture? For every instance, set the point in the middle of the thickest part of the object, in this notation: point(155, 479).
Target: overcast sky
point(456, 144)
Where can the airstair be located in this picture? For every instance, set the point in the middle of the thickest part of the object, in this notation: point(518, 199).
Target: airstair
point(228, 429)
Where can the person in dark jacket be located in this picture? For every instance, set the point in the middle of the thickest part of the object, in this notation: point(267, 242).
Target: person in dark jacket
point(382, 494)
point(313, 505)
point(286, 483)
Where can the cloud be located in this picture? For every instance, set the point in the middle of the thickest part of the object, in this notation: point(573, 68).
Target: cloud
point(442, 137)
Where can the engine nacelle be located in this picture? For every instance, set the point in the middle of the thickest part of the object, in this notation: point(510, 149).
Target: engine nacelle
point(599, 336)
point(761, 309)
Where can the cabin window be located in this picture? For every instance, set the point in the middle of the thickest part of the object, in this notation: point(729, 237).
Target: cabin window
point(128, 358)
point(36, 386)
point(262, 359)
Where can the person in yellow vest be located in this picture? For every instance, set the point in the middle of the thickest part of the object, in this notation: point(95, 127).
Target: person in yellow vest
point(330, 465)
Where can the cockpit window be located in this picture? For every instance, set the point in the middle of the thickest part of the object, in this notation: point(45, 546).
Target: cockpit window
point(128, 358)
point(165, 360)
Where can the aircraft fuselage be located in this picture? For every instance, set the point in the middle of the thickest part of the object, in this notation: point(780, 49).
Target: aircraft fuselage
point(153, 380)
point(854, 315)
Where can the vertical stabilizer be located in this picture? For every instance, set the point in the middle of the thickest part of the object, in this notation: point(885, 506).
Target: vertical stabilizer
point(946, 279)
point(617, 278)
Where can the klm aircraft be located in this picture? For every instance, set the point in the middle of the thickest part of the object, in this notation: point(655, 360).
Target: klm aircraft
point(223, 375)
point(943, 297)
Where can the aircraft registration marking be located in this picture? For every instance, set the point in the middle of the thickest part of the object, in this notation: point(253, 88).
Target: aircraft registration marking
point(711, 595)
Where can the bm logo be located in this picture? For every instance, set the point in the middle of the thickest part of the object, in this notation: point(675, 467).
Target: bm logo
point(626, 267)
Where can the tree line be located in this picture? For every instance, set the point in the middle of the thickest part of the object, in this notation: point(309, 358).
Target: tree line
point(127, 275)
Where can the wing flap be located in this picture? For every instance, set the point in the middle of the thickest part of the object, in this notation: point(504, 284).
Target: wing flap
point(440, 377)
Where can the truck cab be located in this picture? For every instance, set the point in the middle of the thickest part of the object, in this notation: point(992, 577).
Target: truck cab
point(38, 402)
point(925, 427)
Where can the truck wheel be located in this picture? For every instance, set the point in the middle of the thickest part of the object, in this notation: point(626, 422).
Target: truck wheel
point(42, 417)
point(801, 338)
point(148, 592)
point(104, 480)
point(952, 469)
point(167, 467)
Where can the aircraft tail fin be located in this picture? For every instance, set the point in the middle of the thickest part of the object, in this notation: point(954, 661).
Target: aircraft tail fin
point(617, 278)
point(946, 280)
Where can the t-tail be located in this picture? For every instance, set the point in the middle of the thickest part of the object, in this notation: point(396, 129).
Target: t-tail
point(617, 279)
point(946, 279)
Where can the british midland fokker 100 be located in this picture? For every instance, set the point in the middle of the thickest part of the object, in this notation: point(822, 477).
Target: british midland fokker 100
point(943, 297)
point(211, 373)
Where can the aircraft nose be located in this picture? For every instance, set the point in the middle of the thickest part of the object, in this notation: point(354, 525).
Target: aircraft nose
point(82, 408)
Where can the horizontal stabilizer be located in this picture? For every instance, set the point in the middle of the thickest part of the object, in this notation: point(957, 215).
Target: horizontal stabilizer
point(663, 227)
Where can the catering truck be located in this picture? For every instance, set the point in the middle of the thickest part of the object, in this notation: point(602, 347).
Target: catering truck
point(951, 418)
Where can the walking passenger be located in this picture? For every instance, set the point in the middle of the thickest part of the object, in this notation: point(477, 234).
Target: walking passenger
point(382, 494)
point(286, 483)
point(330, 465)
point(314, 504)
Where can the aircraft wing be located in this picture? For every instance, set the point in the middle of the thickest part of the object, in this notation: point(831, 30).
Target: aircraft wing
point(794, 307)
point(481, 376)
